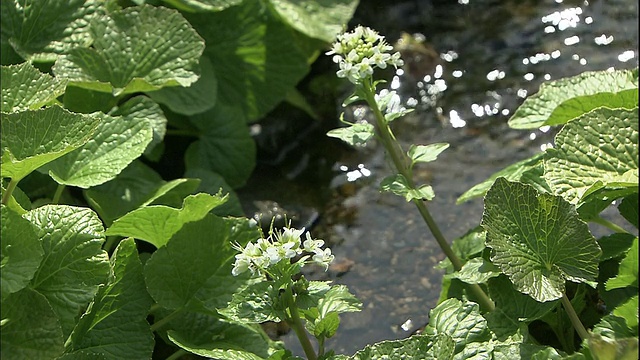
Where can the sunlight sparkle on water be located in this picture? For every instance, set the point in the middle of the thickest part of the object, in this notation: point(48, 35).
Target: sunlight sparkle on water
point(456, 73)
point(567, 18)
point(571, 40)
point(455, 119)
point(626, 56)
point(603, 40)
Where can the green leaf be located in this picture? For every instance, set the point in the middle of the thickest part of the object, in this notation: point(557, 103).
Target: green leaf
point(252, 304)
point(426, 153)
point(476, 271)
point(600, 146)
point(21, 252)
point(25, 87)
point(399, 185)
point(459, 320)
point(116, 143)
point(628, 208)
point(30, 329)
point(628, 270)
point(254, 55)
point(212, 183)
point(39, 31)
point(197, 98)
point(193, 271)
point(416, 347)
point(225, 145)
point(33, 138)
point(119, 308)
point(339, 300)
point(130, 53)
point(327, 325)
point(513, 172)
point(354, 134)
point(202, 5)
point(629, 312)
point(317, 19)
point(613, 349)
point(560, 101)
point(80, 100)
point(141, 108)
point(613, 327)
point(210, 337)
point(18, 201)
point(74, 264)
point(137, 185)
point(157, 224)
point(615, 245)
point(538, 240)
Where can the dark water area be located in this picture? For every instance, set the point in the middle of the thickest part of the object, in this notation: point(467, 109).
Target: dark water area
point(469, 64)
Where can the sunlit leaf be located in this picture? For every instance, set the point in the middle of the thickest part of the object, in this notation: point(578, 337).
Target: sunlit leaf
point(476, 271)
point(399, 185)
point(426, 153)
point(202, 5)
point(25, 87)
point(628, 270)
point(439, 347)
point(538, 240)
point(562, 100)
point(131, 53)
point(354, 134)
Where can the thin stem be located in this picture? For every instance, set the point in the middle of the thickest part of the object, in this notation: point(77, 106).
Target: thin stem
point(8, 191)
point(575, 320)
point(296, 324)
point(609, 224)
point(58, 194)
point(401, 163)
point(162, 322)
point(110, 244)
point(176, 355)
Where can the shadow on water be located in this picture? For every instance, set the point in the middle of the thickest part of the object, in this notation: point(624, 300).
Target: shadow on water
point(469, 65)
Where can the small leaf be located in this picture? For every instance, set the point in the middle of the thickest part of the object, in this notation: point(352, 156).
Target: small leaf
point(327, 325)
point(578, 95)
point(120, 307)
point(252, 304)
point(116, 143)
point(600, 146)
point(42, 30)
point(225, 145)
point(629, 312)
point(131, 53)
point(628, 208)
point(513, 172)
point(25, 87)
point(354, 134)
point(426, 153)
point(399, 185)
point(30, 329)
point(628, 270)
point(317, 19)
point(33, 138)
point(476, 271)
point(74, 264)
point(538, 240)
point(193, 271)
point(21, 252)
point(212, 183)
point(339, 300)
point(197, 98)
point(459, 320)
point(157, 224)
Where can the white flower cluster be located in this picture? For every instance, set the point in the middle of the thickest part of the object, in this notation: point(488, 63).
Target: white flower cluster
point(278, 246)
point(359, 51)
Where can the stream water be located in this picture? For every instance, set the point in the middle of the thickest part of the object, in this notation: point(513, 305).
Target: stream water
point(470, 63)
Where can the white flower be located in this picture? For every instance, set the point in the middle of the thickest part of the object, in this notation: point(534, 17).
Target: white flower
point(311, 245)
point(323, 257)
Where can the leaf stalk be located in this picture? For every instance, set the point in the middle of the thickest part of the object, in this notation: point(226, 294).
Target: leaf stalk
point(573, 316)
point(8, 191)
point(296, 324)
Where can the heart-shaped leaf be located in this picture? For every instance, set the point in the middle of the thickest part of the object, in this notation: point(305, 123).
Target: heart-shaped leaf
point(25, 87)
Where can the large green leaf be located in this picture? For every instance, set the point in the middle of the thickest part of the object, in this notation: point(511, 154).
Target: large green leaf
point(20, 251)
point(476, 271)
point(197, 98)
point(598, 150)
point(193, 271)
point(416, 347)
point(563, 100)
point(254, 56)
point(116, 143)
point(157, 224)
point(628, 270)
point(202, 5)
point(321, 19)
point(225, 145)
point(132, 53)
point(459, 320)
point(25, 87)
point(141, 108)
point(513, 172)
point(41, 30)
point(33, 138)
point(74, 264)
point(32, 329)
point(120, 307)
point(137, 185)
point(538, 240)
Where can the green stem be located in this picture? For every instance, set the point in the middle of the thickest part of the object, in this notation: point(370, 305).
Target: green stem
point(402, 164)
point(573, 316)
point(296, 324)
point(110, 244)
point(9, 190)
point(609, 224)
point(176, 355)
point(162, 322)
point(58, 194)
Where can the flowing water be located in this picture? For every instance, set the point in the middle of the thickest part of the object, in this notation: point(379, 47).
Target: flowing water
point(469, 64)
